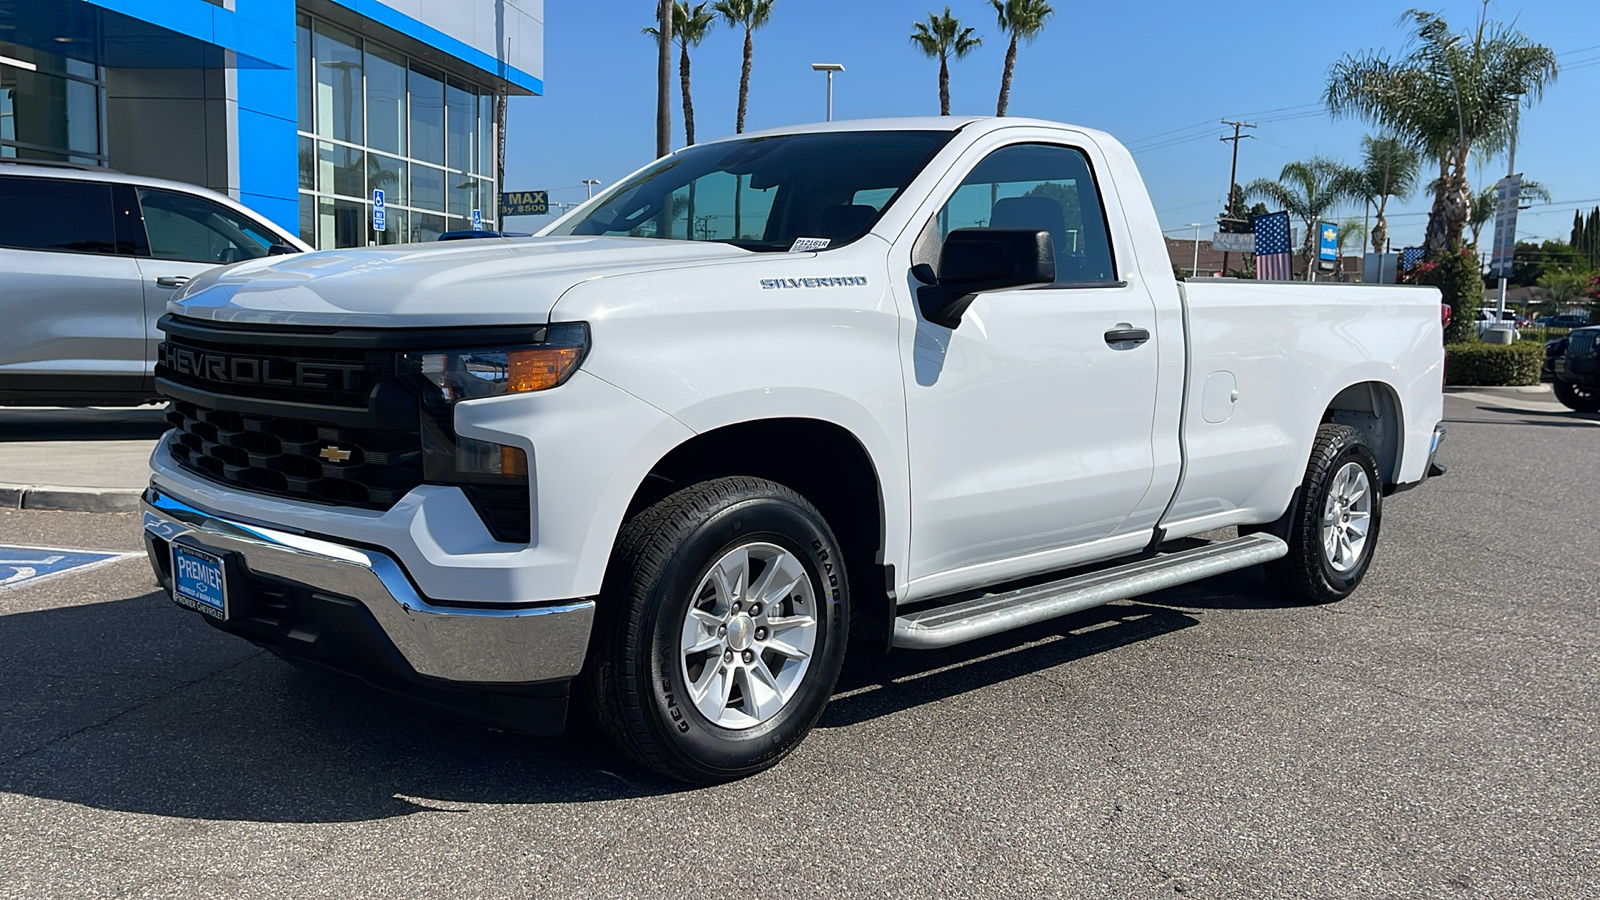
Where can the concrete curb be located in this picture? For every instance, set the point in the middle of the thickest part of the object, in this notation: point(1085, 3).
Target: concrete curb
point(68, 499)
point(1506, 391)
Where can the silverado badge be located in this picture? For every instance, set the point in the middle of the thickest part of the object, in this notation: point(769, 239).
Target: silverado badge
point(334, 454)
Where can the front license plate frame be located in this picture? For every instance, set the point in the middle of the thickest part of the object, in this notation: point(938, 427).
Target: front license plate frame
point(200, 581)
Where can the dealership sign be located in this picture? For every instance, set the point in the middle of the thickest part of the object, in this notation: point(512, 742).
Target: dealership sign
point(1234, 243)
point(524, 203)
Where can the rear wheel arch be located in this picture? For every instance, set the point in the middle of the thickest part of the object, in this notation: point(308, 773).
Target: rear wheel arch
point(820, 460)
point(1373, 408)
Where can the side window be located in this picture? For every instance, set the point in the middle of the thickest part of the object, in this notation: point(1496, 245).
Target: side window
point(1043, 187)
point(56, 214)
point(193, 229)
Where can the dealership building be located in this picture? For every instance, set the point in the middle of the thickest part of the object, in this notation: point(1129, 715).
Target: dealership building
point(300, 109)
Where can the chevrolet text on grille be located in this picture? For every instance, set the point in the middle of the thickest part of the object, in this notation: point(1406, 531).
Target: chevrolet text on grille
point(260, 370)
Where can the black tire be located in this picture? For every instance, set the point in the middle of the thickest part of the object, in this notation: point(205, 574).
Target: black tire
point(636, 682)
point(1307, 574)
point(1576, 398)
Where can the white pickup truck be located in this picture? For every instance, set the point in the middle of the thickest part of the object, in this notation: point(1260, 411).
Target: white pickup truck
point(895, 382)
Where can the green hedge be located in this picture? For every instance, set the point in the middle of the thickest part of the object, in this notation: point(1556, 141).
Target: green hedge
point(1493, 364)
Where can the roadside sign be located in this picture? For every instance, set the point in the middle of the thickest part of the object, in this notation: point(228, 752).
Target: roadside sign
point(477, 220)
point(1508, 193)
point(1328, 246)
point(1234, 243)
point(524, 203)
point(379, 214)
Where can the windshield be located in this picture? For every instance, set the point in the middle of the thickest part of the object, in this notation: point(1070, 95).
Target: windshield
point(766, 193)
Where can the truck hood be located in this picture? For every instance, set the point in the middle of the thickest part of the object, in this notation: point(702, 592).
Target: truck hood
point(490, 281)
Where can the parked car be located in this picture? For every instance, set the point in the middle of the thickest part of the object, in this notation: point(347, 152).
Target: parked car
point(1489, 317)
point(936, 356)
point(88, 260)
point(1569, 320)
point(1572, 366)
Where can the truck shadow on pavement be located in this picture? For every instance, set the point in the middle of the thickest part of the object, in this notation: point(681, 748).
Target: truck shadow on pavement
point(874, 685)
point(136, 706)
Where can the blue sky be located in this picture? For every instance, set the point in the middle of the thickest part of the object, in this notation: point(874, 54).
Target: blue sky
point(1139, 70)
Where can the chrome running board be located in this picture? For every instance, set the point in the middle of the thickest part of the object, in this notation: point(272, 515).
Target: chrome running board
point(943, 626)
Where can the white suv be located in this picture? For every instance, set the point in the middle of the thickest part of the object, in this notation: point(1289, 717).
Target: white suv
point(88, 259)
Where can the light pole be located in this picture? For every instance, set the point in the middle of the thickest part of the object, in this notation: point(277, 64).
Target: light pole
point(1195, 269)
point(590, 184)
point(829, 68)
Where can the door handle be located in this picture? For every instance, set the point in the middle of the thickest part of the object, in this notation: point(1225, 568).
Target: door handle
point(1127, 336)
point(172, 280)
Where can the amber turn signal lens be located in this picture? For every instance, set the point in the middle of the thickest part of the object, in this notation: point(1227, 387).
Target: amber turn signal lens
point(539, 368)
point(513, 462)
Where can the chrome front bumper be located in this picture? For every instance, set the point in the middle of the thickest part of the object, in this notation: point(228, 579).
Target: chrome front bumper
point(476, 645)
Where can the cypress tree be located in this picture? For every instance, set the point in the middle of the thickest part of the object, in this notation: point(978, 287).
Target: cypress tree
point(1592, 237)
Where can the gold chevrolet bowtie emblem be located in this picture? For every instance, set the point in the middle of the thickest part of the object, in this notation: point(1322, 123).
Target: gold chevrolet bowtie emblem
point(334, 454)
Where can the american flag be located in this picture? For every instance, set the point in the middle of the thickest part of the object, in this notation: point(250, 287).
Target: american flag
point(1409, 257)
point(1273, 247)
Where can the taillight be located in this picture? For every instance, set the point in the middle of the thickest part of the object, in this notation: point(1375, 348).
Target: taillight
point(1444, 315)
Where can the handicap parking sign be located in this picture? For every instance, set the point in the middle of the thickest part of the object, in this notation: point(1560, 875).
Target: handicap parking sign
point(24, 565)
point(379, 214)
point(477, 220)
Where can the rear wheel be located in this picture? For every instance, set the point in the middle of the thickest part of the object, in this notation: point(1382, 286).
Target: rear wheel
point(1576, 397)
point(722, 629)
point(1332, 526)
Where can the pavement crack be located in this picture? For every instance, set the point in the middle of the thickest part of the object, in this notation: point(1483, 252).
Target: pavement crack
point(148, 701)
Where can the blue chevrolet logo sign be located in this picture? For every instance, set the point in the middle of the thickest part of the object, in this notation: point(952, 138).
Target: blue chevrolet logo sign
point(524, 203)
point(1328, 247)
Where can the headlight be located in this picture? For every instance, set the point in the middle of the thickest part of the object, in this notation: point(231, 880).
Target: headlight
point(491, 372)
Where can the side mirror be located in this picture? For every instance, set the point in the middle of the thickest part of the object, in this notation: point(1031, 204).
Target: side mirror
point(976, 260)
point(282, 249)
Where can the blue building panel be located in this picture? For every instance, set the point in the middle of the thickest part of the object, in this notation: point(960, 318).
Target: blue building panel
point(255, 29)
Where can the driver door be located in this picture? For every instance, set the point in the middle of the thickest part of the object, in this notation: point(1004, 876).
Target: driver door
point(1029, 427)
point(188, 235)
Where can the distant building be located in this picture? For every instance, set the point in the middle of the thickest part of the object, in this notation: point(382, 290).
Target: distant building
point(298, 108)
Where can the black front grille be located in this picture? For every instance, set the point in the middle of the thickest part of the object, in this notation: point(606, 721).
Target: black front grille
point(326, 415)
point(1581, 343)
point(297, 458)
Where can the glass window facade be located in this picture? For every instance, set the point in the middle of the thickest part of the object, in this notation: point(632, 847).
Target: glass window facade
point(372, 119)
point(54, 112)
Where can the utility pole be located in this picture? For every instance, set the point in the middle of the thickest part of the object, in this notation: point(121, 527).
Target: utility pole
point(664, 78)
point(1233, 176)
point(1511, 169)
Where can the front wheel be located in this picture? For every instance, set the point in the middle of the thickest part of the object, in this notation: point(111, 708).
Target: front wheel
point(722, 628)
point(1576, 397)
point(1332, 526)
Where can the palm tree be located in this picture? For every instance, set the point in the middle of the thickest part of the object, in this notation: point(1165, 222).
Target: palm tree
point(749, 15)
point(1389, 168)
point(1449, 95)
point(1021, 19)
point(1485, 201)
point(943, 37)
point(690, 25)
point(1309, 191)
point(1349, 230)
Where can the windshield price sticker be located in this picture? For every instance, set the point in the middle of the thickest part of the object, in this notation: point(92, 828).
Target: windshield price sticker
point(803, 244)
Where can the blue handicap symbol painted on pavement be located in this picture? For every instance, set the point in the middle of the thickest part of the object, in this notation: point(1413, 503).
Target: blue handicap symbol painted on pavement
point(19, 565)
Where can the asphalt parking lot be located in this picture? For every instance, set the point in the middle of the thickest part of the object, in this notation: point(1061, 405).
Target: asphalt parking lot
point(1433, 736)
